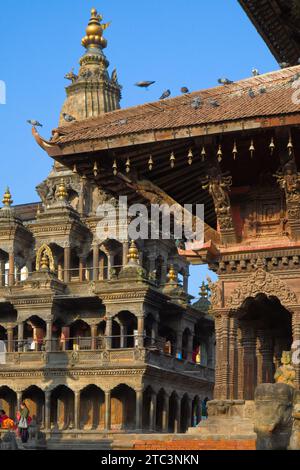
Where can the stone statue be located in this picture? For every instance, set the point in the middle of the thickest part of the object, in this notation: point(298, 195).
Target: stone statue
point(286, 373)
point(273, 416)
point(71, 76)
point(295, 436)
point(114, 76)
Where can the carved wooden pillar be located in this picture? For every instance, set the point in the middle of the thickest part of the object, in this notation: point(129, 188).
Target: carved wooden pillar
point(152, 418)
point(296, 340)
point(123, 335)
point(77, 409)
point(95, 262)
point(107, 410)
point(94, 330)
point(250, 366)
point(240, 378)
point(165, 414)
point(186, 283)
point(11, 269)
point(10, 339)
point(218, 368)
point(190, 348)
point(2, 273)
point(82, 267)
point(20, 336)
point(222, 352)
point(19, 399)
point(108, 333)
point(67, 263)
point(141, 329)
point(49, 325)
point(139, 410)
point(47, 410)
point(125, 254)
point(265, 364)
point(233, 358)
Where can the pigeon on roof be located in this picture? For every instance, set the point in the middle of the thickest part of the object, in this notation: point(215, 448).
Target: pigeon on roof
point(68, 117)
point(225, 81)
point(251, 93)
point(214, 103)
point(184, 90)
point(255, 72)
point(165, 95)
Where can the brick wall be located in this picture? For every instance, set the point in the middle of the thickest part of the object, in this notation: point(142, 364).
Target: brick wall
point(195, 444)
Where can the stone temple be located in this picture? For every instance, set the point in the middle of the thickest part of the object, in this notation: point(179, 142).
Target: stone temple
point(102, 339)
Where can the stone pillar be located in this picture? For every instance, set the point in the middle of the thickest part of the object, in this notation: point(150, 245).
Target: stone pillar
point(240, 378)
point(123, 334)
point(152, 418)
point(165, 414)
point(154, 333)
point(179, 344)
point(222, 324)
point(20, 336)
point(141, 331)
point(296, 337)
point(2, 273)
point(233, 359)
point(94, 330)
point(77, 409)
point(11, 270)
point(190, 348)
point(47, 410)
point(107, 424)
point(139, 410)
point(67, 264)
point(82, 266)
point(265, 364)
point(95, 262)
point(49, 325)
point(177, 426)
point(19, 399)
point(108, 333)
point(10, 339)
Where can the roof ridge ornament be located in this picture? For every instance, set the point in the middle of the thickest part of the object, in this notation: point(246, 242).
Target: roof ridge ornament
point(94, 32)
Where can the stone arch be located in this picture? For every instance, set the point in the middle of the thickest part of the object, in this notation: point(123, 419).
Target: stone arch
point(62, 407)
point(92, 407)
point(34, 398)
point(123, 407)
point(45, 249)
point(8, 401)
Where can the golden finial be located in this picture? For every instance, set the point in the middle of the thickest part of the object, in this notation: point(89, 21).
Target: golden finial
point(7, 199)
point(62, 192)
point(94, 32)
point(172, 275)
point(133, 253)
point(45, 262)
point(203, 290)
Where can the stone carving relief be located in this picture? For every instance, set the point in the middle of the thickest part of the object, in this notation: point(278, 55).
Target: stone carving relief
point(218, 187)
point(216, 295)
point(262, 282)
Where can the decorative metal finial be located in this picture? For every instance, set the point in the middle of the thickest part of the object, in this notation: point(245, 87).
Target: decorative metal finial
point(203, 291)
point(133, 253)
point(95, 169)
point(45, 263)
point(7, 199)
point(62, 192)
point(290, 146)
point(172, 275)
point(115, 168)
point(94, 32)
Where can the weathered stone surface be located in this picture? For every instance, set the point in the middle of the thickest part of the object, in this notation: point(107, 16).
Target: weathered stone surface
point(295, 436)
point(273, 416)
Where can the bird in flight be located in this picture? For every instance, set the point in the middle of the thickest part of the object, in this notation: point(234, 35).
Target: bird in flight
point(145, 84)
point(34, 123)
point(165, 95)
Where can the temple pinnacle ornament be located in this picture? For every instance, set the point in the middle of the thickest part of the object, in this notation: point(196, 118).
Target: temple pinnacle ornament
point(172, 275)
point(62, 192)
point(133, 253)
point(7, 199)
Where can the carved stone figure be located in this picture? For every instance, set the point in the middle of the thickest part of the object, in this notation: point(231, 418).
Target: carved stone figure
point(273, 416)
point(289, 181)
point(216, 298)
point(286, 373)
point(71, 76)
point(218, 187)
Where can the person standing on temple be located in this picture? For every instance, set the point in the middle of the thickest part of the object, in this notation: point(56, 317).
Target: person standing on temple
point(23, 422)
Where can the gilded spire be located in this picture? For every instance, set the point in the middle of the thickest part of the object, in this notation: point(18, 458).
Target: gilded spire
point(7, 199)
point(133, 253)
point(62, 192)
point(94, 32)
point(172, 275)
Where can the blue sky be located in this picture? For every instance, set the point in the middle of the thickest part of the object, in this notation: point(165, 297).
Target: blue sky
point(176, 43)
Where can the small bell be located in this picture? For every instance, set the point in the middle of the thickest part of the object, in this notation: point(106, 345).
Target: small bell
point(190, 157)
point(220, 154)
point(290, 145)
point(127, 165)
point(203, 153)
point(95, 169)
point(234, 151)
point(252, 148)
point(272, 146)
point(150, 163)
point(172, 160)
point(75, 169)
point(115, 168)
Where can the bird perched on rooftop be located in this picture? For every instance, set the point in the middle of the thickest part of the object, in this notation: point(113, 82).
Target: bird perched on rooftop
point(196, 102)
point(214, 103)
point(225, 81)
point(165, 95)
point(68, 117)
point(262, 90)
point(284, 65)
point(251, 93)
point(184, 90)
point(34, 123)
point(255, 72)
point(145, 84)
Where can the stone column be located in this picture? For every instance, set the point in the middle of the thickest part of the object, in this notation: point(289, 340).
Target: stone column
point(94, 331)
point(125, 254)
point(2, 273)
point(190, 348)
point(49, 325)
point(107, 424)
point(152, 418)
point(19, 399)
point(222, 325)
point(47, 410)
point(10, 339)
point(20, 336)
point(123, 334)
point(139, 410)
point(177, 426)
point(233, 359)
point(141, 331)
point(108, 333)
point(165, 414)
point(154, 333)
point(11, 270)
point(95, 262)
point(77, 409)
point(67, 263)
point(296, 338)
point(82, 266)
